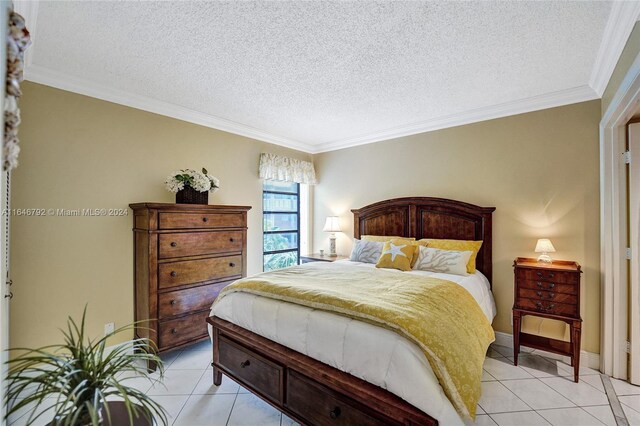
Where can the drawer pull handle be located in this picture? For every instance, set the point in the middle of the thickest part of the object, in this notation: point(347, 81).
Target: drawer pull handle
point(539, 274)
point(174, 274)
point(539, 284)
point(550, 307)
point(551, 274)
point(244, 364)
point(552, 295)
point(205, 219)
point(335, 413)
point(232, 264)
point(173, 302)
point(173, 244)
point(539, 304)
point(174, 331)
point(539, 293)
point(551, 285)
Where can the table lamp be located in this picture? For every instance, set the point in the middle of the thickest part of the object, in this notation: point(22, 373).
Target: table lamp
point(332, 225)
point(544, 246)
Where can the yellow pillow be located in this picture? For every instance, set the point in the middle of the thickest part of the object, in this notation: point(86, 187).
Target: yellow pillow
point(383, 238)
point(458, 245)
point(397, 254)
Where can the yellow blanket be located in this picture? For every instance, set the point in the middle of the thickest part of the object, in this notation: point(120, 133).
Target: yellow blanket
point(439, 316)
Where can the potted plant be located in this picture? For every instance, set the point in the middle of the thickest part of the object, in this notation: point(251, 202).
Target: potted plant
point(80, 380)
point(192, 187)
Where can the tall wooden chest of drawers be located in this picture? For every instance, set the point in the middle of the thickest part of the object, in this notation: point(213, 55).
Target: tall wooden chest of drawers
point(548, 290)
point(184, 254)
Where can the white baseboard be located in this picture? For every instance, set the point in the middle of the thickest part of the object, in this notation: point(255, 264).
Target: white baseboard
point(588, 359)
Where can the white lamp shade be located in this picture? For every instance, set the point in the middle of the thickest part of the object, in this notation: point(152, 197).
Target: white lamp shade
point(544, 246)
point(332, 224)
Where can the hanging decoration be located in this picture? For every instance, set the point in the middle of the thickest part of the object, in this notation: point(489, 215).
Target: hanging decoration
point(18, 40)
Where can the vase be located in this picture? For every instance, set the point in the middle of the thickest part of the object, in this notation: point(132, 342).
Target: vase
point(189, 195)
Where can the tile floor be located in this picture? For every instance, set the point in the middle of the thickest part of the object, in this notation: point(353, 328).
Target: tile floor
point(540, 391)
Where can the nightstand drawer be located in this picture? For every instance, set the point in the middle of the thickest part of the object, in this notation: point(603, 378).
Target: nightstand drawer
point(547, 275)
point(548, 296)
point(547, 307)
point(548, 286)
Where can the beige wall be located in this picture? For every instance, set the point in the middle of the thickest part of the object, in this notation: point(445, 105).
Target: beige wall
point(79, 152)
point(540, 171)
point(631, 50)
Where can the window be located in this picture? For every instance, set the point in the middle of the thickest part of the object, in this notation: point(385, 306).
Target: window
point(281, 224)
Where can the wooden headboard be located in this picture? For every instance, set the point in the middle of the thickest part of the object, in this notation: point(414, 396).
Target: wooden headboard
point(426, 217)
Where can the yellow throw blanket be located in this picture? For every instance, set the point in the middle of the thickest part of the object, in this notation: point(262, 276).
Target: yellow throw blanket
point(439, 316)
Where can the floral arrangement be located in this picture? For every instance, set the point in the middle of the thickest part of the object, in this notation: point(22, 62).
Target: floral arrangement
point(200, 181)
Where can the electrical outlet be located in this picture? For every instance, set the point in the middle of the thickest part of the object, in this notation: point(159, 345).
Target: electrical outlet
point(109, 328)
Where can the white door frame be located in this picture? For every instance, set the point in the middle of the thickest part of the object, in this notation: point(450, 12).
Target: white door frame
point(613, 224)
point(634, 243)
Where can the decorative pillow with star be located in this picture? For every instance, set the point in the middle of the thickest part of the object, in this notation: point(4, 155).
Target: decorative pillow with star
point(397, 254)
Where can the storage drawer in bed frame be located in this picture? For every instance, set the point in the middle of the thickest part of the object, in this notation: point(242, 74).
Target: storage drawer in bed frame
point(291, 381)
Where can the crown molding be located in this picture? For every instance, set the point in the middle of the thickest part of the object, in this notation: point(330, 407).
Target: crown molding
point(622, 19)
point(62, 81)
point(535, 103)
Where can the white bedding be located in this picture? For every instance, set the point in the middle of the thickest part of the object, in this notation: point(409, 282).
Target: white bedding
point(374, 354)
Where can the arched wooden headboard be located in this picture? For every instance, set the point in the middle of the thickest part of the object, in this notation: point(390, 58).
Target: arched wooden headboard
point(427, 217)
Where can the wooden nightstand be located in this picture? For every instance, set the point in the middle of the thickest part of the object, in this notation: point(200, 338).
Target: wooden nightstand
point(548, 290)
point(317, 257)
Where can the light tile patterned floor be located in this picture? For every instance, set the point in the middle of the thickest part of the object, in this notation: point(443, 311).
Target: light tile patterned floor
point(540, 391)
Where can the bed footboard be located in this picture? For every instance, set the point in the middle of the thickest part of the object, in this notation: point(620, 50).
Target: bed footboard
point(305, 389)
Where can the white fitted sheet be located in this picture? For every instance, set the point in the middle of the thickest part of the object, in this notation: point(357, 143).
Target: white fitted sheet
point(372, 353)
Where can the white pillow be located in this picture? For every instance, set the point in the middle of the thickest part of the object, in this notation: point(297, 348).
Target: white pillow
point(366, 251)
point(445, 261)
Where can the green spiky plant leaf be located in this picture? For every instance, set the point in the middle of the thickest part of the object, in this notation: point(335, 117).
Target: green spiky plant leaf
point(73, 380)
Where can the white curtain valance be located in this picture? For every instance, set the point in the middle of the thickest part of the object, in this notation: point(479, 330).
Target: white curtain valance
point(285, 169)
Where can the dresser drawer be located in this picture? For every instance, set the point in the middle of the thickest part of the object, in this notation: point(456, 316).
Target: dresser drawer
point(182, 330)
point(200, 220)
point(263, 375)
point(548, 296)
point(547, 307)
point(321, 406)
point(198, 243)
point(549, 286)
point(549, 276)
point(179, 302)
point(194, 271)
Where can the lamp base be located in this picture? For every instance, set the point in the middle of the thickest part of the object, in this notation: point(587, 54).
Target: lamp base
point(332, 246)
point(545, 258)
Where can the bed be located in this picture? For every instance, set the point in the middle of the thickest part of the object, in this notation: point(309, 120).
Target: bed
point(292, 357)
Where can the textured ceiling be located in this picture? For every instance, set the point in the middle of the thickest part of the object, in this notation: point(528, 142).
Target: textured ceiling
point(318, 75)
